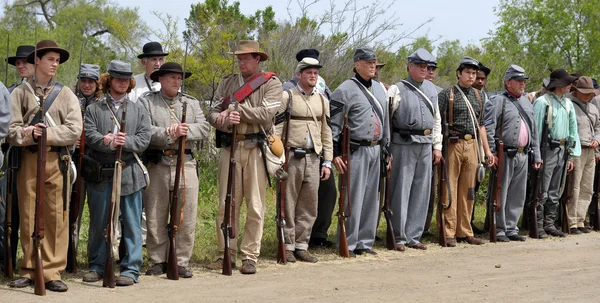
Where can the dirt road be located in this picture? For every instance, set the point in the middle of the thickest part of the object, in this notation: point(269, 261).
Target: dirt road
point(534, 271)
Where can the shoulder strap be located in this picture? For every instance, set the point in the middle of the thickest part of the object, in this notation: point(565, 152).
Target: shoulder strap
point(427, 102)
point(48, 102)
point(240, 95)
point(549, 110)
point(371, 99)
point(451, 108)
point(480, 103)
point(523, 113)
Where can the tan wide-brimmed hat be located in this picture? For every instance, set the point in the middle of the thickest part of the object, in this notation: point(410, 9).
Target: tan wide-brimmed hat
point(585, 85)
point(250, 47)
point(45, 46)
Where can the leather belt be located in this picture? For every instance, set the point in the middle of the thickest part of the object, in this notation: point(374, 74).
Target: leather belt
point(414, 132)
point(174, 152)
point(307, 150)
point(522, 149)
point(34, 148)
point(457, 135)
point(586, 147)
point(365, 142)
point(243, 137)
point(305, 118)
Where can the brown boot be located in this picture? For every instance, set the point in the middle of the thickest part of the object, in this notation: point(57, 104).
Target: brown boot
point(450, 242)
point(471, 240)
point(248, 267)
point(218, 264)
point(305, 256)
point(289, 256)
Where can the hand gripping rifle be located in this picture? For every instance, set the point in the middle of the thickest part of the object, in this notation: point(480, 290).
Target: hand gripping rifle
point(496, 200)
point(344, 191)
point(175, 211)
point(109, 273)
point(384, 191)
point(280, 216)
point(228, 224)
point(444, 194)
point(78, 192)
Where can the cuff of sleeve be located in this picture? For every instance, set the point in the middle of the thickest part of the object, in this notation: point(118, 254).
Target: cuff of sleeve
point(327, 163)
point(111, 146)
point(437, 146)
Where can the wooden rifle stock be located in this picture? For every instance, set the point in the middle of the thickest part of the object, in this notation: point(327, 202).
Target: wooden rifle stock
point(175, 211)
point(496, 201)
point(40, 201)
point(8, 258)
point(344, 191)
point(280, 216)
point(109, 273)
point(566, 196)
point(385, 188)
point(443, 181)
point(227, 226)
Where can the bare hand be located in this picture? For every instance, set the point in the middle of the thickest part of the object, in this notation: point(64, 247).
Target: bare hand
point(108, 139)
point(325, 172)
point(178, 130)
point(389, 165)
point(537, 165)
point(491, 160)
point(437, 156)
point(594, 144)
point(570, 166)
point(339, 164)
point(233, 118)
point(37, 131)
point(119, 139)
point(78, 143)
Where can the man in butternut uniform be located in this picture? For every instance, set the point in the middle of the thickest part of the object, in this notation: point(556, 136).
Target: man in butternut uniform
point(64, 126)
point(309, 136)
point(253, 112)
point(165, 110)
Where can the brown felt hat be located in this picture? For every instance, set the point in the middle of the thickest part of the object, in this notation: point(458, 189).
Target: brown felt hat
point(585, 85)
point(250, 47)
point(45, 46)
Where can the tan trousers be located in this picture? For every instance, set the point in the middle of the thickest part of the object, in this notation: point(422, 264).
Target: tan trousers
point(156, 199)
point(301, 196)
point(462, 169)
point(583, 187)
point(56, 226)
point(250, 183)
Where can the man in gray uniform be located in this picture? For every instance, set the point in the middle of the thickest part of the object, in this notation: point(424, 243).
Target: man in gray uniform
point(513, 112)
point(416, 125)
point(365, 102)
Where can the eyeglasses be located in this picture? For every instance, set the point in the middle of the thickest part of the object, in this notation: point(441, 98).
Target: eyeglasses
point(245, 60)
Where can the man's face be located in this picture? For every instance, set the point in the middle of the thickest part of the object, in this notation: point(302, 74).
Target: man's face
point(119, 86)
point(87, 86)
point(170, 84)
point(480, 80)
point(48, 64)
point(466, 77)
point(584, 97)
point(152, 64)
point(24, 69)
point(516, 86)
point(248, 64)
point(417, 72)
point(431, 73)
point(308, 77)
point(563, 90)
point(366, 68)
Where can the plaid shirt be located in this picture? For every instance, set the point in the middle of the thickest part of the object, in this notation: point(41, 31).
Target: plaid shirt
point(462, 118)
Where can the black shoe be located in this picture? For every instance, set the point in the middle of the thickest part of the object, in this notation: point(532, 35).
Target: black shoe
point(365, 251)
point(585, 230)
point(320, 242)
point(517, 238)
point(503, 239)
point(157, 269)
point(555, 232)
point(575, 231)
point(56, 285)
point(542, 234)
point(184, 272)
point(20, 282)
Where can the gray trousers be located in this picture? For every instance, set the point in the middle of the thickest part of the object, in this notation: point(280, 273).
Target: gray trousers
point(364, 180)
point(554, 165)
point(512, 194)
point(410, 190)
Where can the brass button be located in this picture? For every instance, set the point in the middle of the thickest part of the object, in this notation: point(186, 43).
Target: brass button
point(468, 137)
point(427, 132)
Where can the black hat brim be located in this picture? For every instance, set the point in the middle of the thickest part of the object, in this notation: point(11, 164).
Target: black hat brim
point(154, 76)
point(13, 60)
point(152, 54)
point(64, 54)
point(561, 82)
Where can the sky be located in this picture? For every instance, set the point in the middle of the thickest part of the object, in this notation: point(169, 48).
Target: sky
point(465, 20)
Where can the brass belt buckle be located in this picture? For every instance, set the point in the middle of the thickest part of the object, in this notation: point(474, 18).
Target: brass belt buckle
point(468, 137)
point(373, 143)
point(562, 142)
point(48, 148)
point(427, 132)
point(240, 137)
point(521, 149)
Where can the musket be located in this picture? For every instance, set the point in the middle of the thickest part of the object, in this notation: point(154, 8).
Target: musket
point(228, 224)
point(40, 197)
point(78, 192)
point(109, 272)
point(6, 63)
point(175, 211)
point(184, 66)
point(595, 213)
point(444, 194)
point(385, 189)
point(567, 184)
point(8, 257)
point(280, 216)
point(344, 192)
point(496, 200)
point(539, 180)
